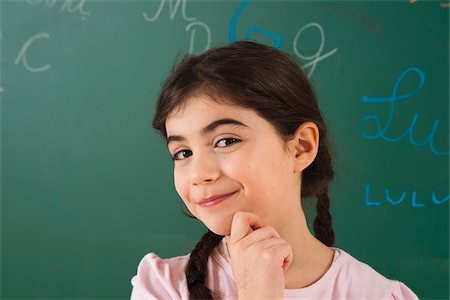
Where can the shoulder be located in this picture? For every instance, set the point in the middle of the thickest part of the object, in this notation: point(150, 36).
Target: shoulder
point(362, 281)
point(159, 278)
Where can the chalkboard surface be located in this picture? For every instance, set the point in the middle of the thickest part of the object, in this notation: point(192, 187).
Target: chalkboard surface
point(86, 184)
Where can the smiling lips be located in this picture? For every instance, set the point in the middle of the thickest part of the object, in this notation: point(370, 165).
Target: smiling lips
point(214, 200)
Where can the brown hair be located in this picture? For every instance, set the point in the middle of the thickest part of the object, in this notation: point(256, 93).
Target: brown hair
point(264, 79)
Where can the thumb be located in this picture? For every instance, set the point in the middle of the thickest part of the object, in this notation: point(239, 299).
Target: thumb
point(242, 224)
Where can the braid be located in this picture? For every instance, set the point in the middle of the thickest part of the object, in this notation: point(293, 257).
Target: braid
point(196, 267)
point(316, 180)
point(323, 227)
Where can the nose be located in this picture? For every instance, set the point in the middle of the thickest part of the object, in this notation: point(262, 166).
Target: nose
point(204, 169)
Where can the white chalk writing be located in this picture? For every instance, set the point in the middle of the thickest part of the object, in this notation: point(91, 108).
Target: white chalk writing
point(318, 56)
point(22, 56)
point(174, 6)
point(72, 6)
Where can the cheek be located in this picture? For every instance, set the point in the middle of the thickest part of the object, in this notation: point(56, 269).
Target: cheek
point(264, 173)
point(181, 186)
point(239, 168)
point(248, 172)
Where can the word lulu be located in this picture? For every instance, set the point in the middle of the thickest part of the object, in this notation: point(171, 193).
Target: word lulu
point(412, 198)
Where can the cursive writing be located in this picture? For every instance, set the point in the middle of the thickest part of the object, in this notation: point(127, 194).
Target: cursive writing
point(316, 57)
point(22, 56)
point(71, 6)
point(192, 27)
point(381, 131)
point(312, 60)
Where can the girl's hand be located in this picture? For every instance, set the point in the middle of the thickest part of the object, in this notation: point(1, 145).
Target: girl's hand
point(259, 258)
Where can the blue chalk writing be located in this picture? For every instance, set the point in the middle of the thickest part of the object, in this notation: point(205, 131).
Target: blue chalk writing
point(313, 60)
point(402, 198)
point(438, 201)
point(232, 30)
point(277, 38)
point(414, 200)
point(381, 132)
point(366, 197)
point(394, 202)
point(234, 18)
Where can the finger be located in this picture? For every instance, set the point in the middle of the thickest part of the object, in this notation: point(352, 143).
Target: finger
point(243, 223)
point(263, 233)
point(286, 251)
point(275, 249)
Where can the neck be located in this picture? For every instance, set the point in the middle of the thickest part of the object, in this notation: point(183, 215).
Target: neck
point(311, 258)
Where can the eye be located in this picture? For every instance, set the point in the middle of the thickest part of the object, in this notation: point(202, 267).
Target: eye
point(226, 142)
point(182, 154)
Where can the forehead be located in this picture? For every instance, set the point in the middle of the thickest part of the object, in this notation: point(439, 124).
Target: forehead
point(202, 109)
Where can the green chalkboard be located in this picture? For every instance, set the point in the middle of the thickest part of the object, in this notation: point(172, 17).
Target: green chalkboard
point(86, 184)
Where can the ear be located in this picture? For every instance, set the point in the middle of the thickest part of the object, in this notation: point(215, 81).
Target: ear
point(304, 145)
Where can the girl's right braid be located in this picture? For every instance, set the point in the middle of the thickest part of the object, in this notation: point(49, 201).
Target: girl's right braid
point(196, 269)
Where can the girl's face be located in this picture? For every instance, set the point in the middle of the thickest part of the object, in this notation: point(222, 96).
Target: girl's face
point(227, 159)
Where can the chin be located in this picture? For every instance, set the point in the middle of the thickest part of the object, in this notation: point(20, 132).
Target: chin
point(218, 225)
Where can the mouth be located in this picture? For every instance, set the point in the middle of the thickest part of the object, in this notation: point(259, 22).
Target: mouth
point(214, 200)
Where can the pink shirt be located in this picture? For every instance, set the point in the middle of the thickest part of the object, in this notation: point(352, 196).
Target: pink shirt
point(346, 279)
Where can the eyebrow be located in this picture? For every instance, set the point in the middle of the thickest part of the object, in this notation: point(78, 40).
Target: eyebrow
point(207, 129)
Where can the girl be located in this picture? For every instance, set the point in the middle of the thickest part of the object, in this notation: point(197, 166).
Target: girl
point(248, 142)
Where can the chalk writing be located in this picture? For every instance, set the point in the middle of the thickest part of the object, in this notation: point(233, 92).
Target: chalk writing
point(232, 30)
point(72, 6)
point(277, 39)
point(22, 56)
point(174, 5)
point(173, 8)
point(192, 40)
point(391, 200)
point(315, 58)
point(381, 131)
